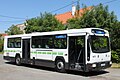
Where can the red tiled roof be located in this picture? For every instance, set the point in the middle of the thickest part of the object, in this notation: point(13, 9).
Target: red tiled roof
point(3, 34)
point(68, 15)
point(64, 17)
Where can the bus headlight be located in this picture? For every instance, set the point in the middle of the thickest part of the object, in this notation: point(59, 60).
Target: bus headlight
point(110, 62)
point(93, 65)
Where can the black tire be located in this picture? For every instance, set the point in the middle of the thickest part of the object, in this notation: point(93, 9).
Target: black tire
point(60, 66)
point(18, 60)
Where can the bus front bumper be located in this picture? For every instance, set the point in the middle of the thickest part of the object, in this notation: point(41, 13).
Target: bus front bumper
point(11, 59)
point(98, 66)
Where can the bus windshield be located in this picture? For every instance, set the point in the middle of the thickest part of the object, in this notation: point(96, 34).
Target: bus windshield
point(100, 44)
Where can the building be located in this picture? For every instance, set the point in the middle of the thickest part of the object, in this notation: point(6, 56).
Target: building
point(22, 27)
point(2, 35)
point(68, 15)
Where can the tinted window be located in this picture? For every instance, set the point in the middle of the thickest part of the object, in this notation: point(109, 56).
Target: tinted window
point(100, 44)
point(42, 42)
point(60, 41)
point(56, 41)
point(14, 43)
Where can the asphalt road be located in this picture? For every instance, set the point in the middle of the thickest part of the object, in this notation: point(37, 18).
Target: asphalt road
point(9, 71)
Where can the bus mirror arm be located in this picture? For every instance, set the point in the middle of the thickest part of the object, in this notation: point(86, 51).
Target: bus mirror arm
point(89, 39)
point(88, 48)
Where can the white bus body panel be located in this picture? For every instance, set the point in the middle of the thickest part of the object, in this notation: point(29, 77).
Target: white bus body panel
point(11, 51)
point(77, 34)
point(49, 54)
point(99, 57)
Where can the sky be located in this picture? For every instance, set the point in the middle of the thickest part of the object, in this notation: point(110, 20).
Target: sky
point(14, 12)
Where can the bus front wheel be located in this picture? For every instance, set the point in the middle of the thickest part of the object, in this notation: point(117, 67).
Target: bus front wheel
point(18, 60)
point(60, 66)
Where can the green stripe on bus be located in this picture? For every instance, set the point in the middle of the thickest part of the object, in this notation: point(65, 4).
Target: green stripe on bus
point(14, 50)
point(60, 53)
point(43, 52)
point(39, 52)
point(48, 52)
point(54, 53)
point(11, 50)
point(35, 52)
point(5, 50)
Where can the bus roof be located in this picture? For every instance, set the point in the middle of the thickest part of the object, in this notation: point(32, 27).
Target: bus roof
point(70, 31)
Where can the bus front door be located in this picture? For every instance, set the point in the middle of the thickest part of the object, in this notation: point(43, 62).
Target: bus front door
point(26, 50)
point(76, 51)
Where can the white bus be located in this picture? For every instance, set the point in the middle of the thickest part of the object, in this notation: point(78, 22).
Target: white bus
point(84, 49)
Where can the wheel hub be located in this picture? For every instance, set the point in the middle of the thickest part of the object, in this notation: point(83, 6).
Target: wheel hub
point(60, 65)
point(17, 60)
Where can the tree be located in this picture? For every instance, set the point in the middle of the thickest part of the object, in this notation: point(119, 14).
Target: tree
point(100, 17)
point(44, 22)
point(115, 42)
point(1, 43)
point(13, 30)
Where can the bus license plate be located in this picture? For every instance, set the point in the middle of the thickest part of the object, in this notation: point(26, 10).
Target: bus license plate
point(103, 64)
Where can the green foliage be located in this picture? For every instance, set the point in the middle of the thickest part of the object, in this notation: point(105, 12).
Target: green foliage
point(116, 56)
point(44, 22)
point(1, 45)
point(74, 23)
point(100, 17)
point(115, 42)
point(115, 36)
point(99, 43)
point(13, 30)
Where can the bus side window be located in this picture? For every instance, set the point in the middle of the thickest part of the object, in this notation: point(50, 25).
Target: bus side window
point(18, 44)
point(14, 42)
point(33, 46)
point(60, 43)
point(46, 46)
point(11, 45)
point(15, 45)
point(42, 42)
point(39, 46)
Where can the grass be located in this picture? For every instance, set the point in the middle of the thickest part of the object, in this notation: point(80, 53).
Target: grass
point(115, 65)
point(1, 52)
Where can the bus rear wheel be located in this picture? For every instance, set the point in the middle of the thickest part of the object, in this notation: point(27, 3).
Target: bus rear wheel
point(60, 66)
point(18, 60)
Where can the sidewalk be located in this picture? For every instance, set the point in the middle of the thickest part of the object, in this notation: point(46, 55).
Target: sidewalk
point(115, 65)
